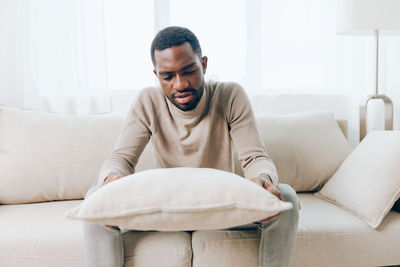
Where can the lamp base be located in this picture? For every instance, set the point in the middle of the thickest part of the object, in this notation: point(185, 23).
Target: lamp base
point(388, 113)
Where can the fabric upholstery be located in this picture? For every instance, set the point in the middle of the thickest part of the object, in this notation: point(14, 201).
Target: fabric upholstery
point(367, 184)
point(38, 234)
point(307, 148)
point(176, 199)
point(327, 236)
point(46, 156)
point(64, 154)
point(38, 147)
point(169, 249)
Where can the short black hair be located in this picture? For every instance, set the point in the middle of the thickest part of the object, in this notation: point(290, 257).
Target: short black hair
point(174, 36)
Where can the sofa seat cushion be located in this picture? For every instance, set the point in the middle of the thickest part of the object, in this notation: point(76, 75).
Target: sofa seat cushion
point(38, 234)
point(169, 249)
point(327, 236)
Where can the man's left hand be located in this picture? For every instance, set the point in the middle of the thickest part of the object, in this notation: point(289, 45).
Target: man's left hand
point(271, 188)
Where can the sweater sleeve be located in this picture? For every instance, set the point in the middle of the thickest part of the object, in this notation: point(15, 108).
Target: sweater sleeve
point(133, 138)
point(246, 138)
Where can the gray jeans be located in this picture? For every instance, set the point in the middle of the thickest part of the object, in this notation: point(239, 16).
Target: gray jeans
point(103, 246)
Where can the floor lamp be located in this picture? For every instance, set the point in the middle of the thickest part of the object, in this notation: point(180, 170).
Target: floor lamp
point(370, 17)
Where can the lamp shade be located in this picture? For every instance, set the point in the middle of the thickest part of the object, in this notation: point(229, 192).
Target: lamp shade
point(362, 17)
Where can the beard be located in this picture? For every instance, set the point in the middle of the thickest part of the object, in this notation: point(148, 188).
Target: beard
point(188, 98)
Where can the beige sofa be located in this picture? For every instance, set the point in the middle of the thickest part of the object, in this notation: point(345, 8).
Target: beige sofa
point(48, 162)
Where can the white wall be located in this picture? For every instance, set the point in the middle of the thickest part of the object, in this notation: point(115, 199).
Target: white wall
point(8, 37)
point(356, 79)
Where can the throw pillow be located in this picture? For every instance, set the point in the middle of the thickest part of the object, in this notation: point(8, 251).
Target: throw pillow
point(179, 199)
point(307, 148)
point(47, 156)
point(367, 183)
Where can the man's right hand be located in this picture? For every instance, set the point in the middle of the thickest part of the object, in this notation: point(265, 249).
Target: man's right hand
point(111, 178)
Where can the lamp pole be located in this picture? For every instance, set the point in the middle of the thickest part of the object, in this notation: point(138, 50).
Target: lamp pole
point(386, 100)
point(377, 61)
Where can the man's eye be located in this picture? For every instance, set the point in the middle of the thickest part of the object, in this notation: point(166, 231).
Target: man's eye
point(167, 78)
point(190, 71)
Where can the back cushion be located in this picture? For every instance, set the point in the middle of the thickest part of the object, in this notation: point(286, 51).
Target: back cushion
point(307, 148)
point(46, 156)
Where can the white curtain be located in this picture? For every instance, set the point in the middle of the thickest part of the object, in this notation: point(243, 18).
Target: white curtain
point(92, 56)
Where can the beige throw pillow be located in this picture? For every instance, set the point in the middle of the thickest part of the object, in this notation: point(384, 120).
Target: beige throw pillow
point(179, 199)
point(307, 148)
point(367, 183)
point(48, 156)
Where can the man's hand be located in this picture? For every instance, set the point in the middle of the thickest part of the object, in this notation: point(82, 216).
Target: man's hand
point(111, 178)
point(271, 188)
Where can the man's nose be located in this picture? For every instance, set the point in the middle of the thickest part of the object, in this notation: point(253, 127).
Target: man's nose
point(180, 83)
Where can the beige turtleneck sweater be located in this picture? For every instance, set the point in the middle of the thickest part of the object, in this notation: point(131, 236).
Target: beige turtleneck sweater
point(198, 138)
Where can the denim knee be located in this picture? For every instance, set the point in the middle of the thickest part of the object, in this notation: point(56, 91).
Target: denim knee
point(288, 217)
point(288, 194)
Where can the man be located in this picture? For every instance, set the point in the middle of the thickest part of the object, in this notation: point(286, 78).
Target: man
point(192, 123)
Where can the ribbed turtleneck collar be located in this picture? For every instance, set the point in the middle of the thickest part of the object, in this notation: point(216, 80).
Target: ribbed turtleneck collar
point(196, 112)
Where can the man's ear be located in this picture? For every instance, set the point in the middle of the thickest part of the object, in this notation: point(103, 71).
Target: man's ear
point(155, 72)
point(204, 61)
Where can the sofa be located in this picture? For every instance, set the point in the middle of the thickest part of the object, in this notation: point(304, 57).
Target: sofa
point(48, 161)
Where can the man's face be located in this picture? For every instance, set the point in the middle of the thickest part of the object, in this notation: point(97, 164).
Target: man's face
point(181, 75)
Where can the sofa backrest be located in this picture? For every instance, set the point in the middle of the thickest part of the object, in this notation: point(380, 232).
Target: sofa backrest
point(47, 156)
point(307, 148)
